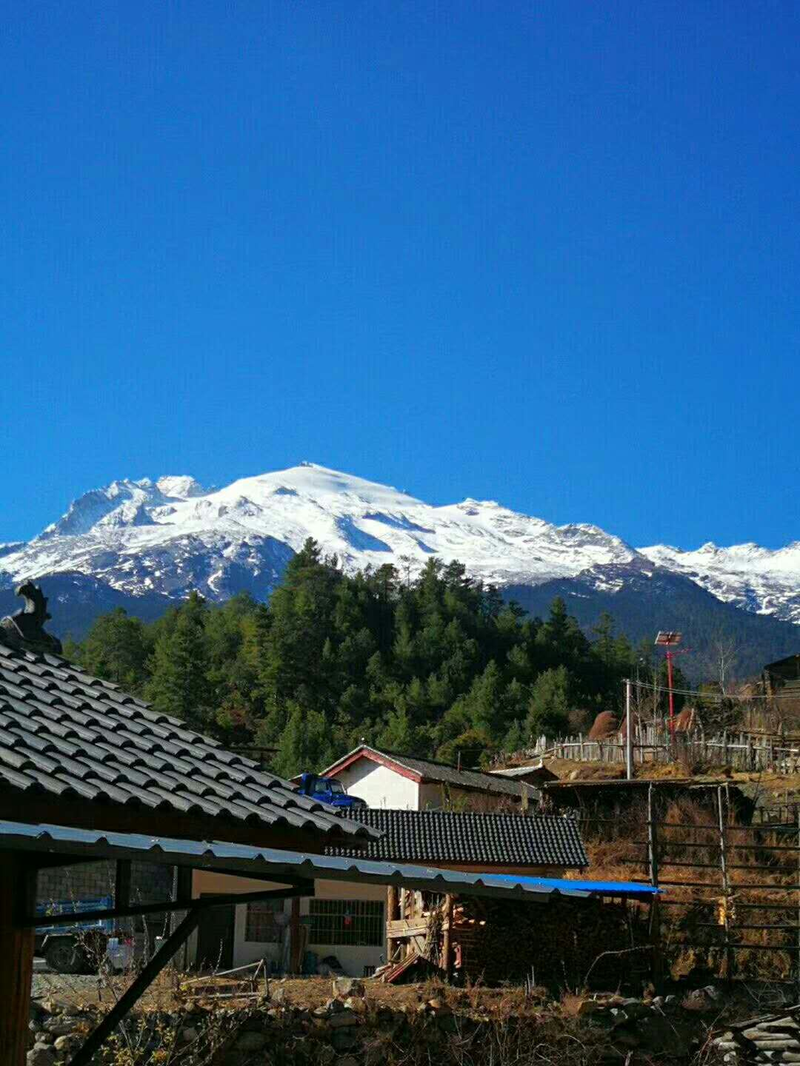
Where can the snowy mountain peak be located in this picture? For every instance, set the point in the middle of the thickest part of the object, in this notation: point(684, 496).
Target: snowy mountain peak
point(180, 487)
point(172, 535)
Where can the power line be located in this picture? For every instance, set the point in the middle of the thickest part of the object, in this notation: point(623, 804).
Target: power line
point(710, 695)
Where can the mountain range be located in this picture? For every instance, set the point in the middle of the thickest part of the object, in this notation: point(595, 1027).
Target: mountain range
point(146, 544)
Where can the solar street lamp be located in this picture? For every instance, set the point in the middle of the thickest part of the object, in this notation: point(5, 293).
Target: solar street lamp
point(669, 639)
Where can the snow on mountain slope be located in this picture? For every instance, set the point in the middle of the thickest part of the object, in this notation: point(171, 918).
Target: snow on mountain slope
point(171, 535)
point(754, 578)
point(166, 537)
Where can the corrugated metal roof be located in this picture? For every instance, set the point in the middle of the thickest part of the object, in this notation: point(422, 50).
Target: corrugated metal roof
point(66, 733)
point(268, 864)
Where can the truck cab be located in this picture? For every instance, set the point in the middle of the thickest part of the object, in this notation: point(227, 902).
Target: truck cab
point(328, 790)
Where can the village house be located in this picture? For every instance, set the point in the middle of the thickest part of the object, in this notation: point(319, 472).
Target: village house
point(353, 922)
point(400, 782)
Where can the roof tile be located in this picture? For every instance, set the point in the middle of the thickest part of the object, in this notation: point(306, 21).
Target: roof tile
point(472, 838)
point(65, 733)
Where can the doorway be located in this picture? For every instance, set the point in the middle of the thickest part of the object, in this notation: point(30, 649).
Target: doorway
point(215, 936)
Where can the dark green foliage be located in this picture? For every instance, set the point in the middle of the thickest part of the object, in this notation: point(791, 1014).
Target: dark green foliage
point(438, 666)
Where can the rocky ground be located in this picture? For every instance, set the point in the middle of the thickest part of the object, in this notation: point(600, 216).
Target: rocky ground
point(355, 1023)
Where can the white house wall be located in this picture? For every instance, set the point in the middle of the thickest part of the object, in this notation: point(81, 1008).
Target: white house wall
point(380, 786)
point(352, 959)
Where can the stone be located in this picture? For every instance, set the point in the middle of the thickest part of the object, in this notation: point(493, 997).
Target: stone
point(55, 1006)
point(343, 1019)
point(277, 994)
point(347, 1060)
point(356, 1004)
point(348, 986)
point(251, 1041)
point(439, 1006)
point(189, 1034)
point(41, 1055)
point(61, 1025)
point(626, 1039)
point(64, 1044)
point(333, 1006)
point(344, 1040)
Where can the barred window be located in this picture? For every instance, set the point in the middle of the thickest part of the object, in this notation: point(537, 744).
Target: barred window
point(261, 927)
point(358, 922)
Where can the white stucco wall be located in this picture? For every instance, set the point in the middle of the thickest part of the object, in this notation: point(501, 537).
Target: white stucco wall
point(380, 786)
point(352, 959)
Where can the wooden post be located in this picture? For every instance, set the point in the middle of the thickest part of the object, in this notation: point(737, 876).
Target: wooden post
point(726, 888)
point(17, 899)
point(447, 937)
point(294, 937)
point(628, 733)
point(655, 910)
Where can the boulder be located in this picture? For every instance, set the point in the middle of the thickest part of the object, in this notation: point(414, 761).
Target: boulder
point(250, 1041)
point(344, 1039)
point(41, 1055)
point(348, 986)
point(61, 1025)
point(343, 1019)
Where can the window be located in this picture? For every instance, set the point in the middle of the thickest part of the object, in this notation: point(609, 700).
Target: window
point(358, 922)
point(261, 927)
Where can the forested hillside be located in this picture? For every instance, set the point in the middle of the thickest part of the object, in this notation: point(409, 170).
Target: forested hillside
point(439, 665)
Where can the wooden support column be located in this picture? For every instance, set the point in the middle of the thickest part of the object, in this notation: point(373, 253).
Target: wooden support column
point(447, 937)
point(294, 938)
point(17, 898)
point(391, 904)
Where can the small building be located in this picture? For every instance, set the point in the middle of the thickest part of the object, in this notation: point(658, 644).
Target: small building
point(400, 782)
point(353, 922)
point(535, 775)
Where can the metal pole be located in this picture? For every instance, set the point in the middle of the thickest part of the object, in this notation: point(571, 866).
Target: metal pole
point(671, 695)
point(628, 732)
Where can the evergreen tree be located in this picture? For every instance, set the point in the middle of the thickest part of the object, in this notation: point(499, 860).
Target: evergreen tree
point(178, 683)
point(549, 707)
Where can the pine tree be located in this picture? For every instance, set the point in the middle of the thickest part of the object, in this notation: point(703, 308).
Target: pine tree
point(178, 683)
point(548, 710)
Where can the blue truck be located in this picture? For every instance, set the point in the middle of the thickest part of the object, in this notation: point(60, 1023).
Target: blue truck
point(328, 790)
point(77, 947)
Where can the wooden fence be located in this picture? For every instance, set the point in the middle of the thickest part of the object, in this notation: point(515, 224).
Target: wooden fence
point(729, 891)
point(748, 752)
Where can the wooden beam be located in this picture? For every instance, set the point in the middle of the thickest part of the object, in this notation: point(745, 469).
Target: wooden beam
point(84, 1055)
point(122, 884)
point(447, 937)
point(406, 927)
point(294, 938)
point(299, 888)
point(17, 897)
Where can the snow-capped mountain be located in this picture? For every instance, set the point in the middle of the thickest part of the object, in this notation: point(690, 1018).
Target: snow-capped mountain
point(135, 540)
point(171, 535)
point(746, 575)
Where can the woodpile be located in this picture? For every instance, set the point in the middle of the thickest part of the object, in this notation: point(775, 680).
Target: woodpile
point(561, 943)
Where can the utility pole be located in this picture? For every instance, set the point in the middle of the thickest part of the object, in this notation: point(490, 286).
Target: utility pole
point(669, 639)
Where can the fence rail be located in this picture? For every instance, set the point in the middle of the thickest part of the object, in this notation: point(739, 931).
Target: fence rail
point(653, 743)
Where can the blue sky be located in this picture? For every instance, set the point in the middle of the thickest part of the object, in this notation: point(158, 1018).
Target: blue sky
point(545, 253)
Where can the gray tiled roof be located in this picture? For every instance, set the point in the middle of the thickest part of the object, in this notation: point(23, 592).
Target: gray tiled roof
point(64, 733)
point(472, 838)
point(428, 770)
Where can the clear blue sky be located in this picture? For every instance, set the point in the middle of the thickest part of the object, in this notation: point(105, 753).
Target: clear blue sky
point(542, 252)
